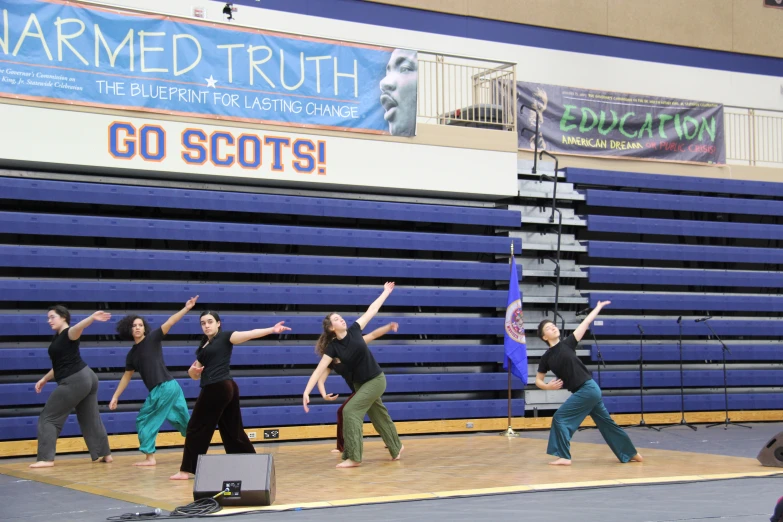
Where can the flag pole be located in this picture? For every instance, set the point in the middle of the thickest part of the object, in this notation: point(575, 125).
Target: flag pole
point(510, 431)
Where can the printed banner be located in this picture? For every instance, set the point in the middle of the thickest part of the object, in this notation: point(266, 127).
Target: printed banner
point(86, 55)
point(613, 124)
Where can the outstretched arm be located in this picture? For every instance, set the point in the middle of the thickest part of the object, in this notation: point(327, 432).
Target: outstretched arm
point(380, 332)
point(322, 366)
point(375, 306)
point(174, 319)
point(76, 330)
point(120, 388)
point(241, 337)
point(582, 328)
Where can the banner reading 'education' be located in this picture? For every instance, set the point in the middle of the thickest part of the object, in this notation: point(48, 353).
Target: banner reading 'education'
point(612, 124)
point(93, 56)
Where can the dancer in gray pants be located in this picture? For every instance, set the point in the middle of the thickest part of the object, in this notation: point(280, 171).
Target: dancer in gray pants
point(77, 387)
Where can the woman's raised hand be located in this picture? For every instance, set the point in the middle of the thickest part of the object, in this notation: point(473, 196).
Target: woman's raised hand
point(101, 316)
point(279, 328)
point(191, 303)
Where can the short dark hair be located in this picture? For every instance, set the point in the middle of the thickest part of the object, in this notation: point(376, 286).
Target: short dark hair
point(541, 327)
point(125, 326)
point(61, 311)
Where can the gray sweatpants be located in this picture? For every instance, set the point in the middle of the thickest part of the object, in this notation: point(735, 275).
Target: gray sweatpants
point(79, 391)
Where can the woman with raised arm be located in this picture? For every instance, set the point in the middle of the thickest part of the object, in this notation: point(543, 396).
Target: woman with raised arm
point(340, 369)
point(165, 400)
point(571, 373)
point(77, 387)
point(346, 344)
point(218, 402)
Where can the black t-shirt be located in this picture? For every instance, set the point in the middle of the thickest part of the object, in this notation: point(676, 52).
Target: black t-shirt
point(216, 358)
point(562, 360)
point(354, 354)
point(65, 356)
point(146, 358)
point(343, 371)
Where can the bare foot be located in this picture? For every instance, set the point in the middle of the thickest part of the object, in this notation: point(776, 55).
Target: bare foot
point(107, 459)
point(637, 458)
point(399, 454)
point(348, 463)
point(180, 475)
point(560, 462)
point(335, 450)
point(43, 464)
point(149, 461)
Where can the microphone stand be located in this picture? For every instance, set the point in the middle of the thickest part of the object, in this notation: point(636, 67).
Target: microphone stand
point(725, 350)
point(642, 423)
point(682, 388)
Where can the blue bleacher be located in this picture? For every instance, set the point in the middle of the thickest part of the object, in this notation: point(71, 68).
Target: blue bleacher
point(717, 205)
point(76, 291)
point(613, 326)
point(694, 402)
point(26, 324)
point(671, 301)
point(155, 197)
point(670, 352)
point(113, 356)
point(64, 224)
point(674, 252)
point(672, 183)
point(23, 394)
point(178, 261)
point(15, 428)
point(679, 227)
point(620, 275)
point(692, 378)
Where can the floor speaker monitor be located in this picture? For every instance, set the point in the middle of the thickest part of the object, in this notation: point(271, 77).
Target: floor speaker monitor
point(248, 478)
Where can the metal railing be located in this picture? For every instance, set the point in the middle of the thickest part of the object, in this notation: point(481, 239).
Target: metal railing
point(754, 137)
point(467, 92)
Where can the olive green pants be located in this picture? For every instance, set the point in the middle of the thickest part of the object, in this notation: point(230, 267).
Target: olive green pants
point(367, 400)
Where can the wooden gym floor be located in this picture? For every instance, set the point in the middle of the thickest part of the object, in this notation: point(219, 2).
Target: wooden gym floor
point(431, 467)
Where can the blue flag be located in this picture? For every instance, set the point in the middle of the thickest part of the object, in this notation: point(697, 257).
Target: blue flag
point(514, 338)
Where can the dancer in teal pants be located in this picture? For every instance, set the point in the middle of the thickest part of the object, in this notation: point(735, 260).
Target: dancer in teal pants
point(585, 400)
point(166, 400)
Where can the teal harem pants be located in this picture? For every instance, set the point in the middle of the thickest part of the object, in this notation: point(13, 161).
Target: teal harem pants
point(166, 402)
point(587, 401)
point(367, 400)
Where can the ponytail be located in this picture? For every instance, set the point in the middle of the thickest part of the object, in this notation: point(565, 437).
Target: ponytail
point(327, 336)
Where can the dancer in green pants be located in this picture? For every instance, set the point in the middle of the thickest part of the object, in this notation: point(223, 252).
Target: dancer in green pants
point(166, 400)
point(346, 344)
point(585, 400)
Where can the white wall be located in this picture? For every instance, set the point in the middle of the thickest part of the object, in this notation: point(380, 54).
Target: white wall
point(534, 64)
point(51, 138)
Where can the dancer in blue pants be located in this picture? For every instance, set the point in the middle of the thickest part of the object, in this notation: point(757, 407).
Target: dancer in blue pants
point(585, 400)
point(166, 400)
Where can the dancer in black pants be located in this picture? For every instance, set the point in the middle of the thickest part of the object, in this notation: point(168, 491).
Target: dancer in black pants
point(218, 402)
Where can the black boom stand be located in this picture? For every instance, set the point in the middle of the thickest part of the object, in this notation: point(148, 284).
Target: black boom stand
point(642, 423)
point(682, 388)
point(725, 349)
